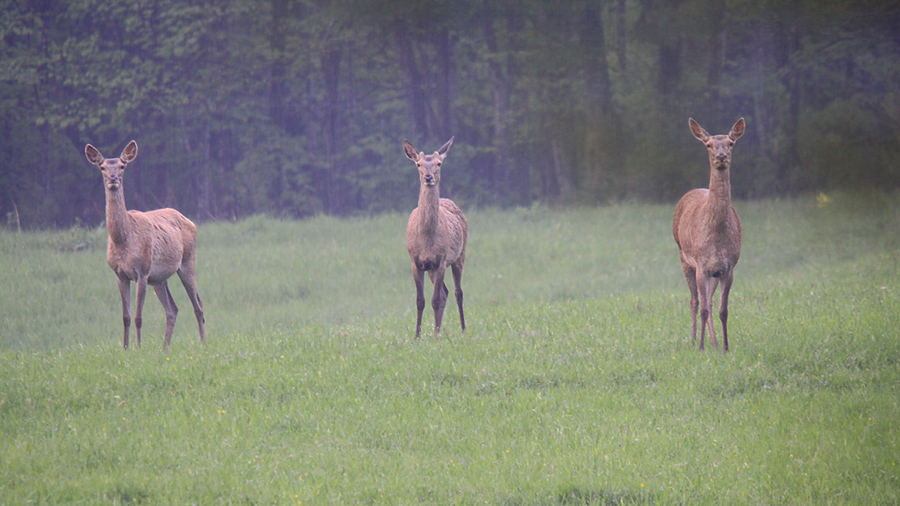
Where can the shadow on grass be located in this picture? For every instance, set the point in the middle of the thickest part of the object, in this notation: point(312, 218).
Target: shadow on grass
point(583, 497)
point(577, 497)
point(129, 494)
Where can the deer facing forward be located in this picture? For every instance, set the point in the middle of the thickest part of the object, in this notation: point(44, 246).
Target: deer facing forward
point(436, 237)
point(146, 248)
point(707, 230)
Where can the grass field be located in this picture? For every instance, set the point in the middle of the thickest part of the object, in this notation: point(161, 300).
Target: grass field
point(575, 382)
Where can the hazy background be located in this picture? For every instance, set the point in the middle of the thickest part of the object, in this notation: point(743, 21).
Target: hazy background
point(295, 108)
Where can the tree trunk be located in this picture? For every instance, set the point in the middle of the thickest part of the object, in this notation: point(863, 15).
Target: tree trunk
point(785, 37)
point(717, 55)
point(204, 191)
point(331, 64)
point(597, 67)
point(415, 94)
point(446, 85)
point(669, 65)
point(621, 36)
point(201, 179)
point(277, 68)
point(795, 91)
point(500, 92)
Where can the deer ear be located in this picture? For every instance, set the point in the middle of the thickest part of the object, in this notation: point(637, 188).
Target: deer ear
point(737, 130)
point(410, 150)
point(129, 153)
point(446, 147)
point(93, 154)
point(698, 131)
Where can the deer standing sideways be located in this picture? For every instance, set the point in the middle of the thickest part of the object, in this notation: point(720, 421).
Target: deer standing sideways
point(707, 230)
point(436, 237)
point(146, 248)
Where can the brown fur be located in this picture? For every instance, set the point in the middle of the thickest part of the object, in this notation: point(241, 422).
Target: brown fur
point(707, 230)
point(146, 247)
point(436, 237)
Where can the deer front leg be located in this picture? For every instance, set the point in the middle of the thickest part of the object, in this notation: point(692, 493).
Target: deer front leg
point(703, 292)
point(714, 283)
point(690, 275)
point(168, 304)
point(125, 292)
point(419, 280)
point(140, 293)
point(439, 299)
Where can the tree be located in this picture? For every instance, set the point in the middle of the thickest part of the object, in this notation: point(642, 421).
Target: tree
point(296, 108)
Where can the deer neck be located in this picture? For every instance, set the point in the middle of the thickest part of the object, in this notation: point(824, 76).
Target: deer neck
point(116, 215)
point(719, 203)
point(429, 209)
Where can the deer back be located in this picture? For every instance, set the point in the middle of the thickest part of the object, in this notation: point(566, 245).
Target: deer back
point(156, 244)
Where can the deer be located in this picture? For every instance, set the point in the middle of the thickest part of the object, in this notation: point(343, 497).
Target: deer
point(146, 247)
point(707, 231)
point(436, 237)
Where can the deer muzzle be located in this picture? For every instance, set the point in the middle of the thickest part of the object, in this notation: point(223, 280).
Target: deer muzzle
point(721, 162)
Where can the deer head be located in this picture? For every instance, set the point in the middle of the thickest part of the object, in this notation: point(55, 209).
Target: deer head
point(718, 146)
point(113, 169)
point(429, 165)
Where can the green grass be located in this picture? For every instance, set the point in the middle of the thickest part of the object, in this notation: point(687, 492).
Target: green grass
point(575, 383)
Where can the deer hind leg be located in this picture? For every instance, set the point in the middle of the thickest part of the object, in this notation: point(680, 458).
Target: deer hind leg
point(419, 280)
point(439, 299)
point(457, 282)
point(125, 292)
point(189, 280)
point(723, 306)
point(168, 304)
point(690, 275)
point(140, 294)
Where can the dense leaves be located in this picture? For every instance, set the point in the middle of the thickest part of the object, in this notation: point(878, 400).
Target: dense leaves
point(293, 108)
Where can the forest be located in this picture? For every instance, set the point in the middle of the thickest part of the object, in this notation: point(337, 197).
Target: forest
point(294, 108)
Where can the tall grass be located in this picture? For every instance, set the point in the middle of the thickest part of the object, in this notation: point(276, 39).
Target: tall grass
point(575, 382)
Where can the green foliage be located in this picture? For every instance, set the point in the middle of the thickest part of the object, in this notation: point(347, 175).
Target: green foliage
point(271, 179)
point(847, 135)
point(297, 108)
point(575, 382)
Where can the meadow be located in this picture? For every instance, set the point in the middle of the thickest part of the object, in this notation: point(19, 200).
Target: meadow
point(575, 382)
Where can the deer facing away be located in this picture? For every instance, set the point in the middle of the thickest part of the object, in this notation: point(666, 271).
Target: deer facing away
point(436, 237)
point(146, 247)
point(707, 230)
